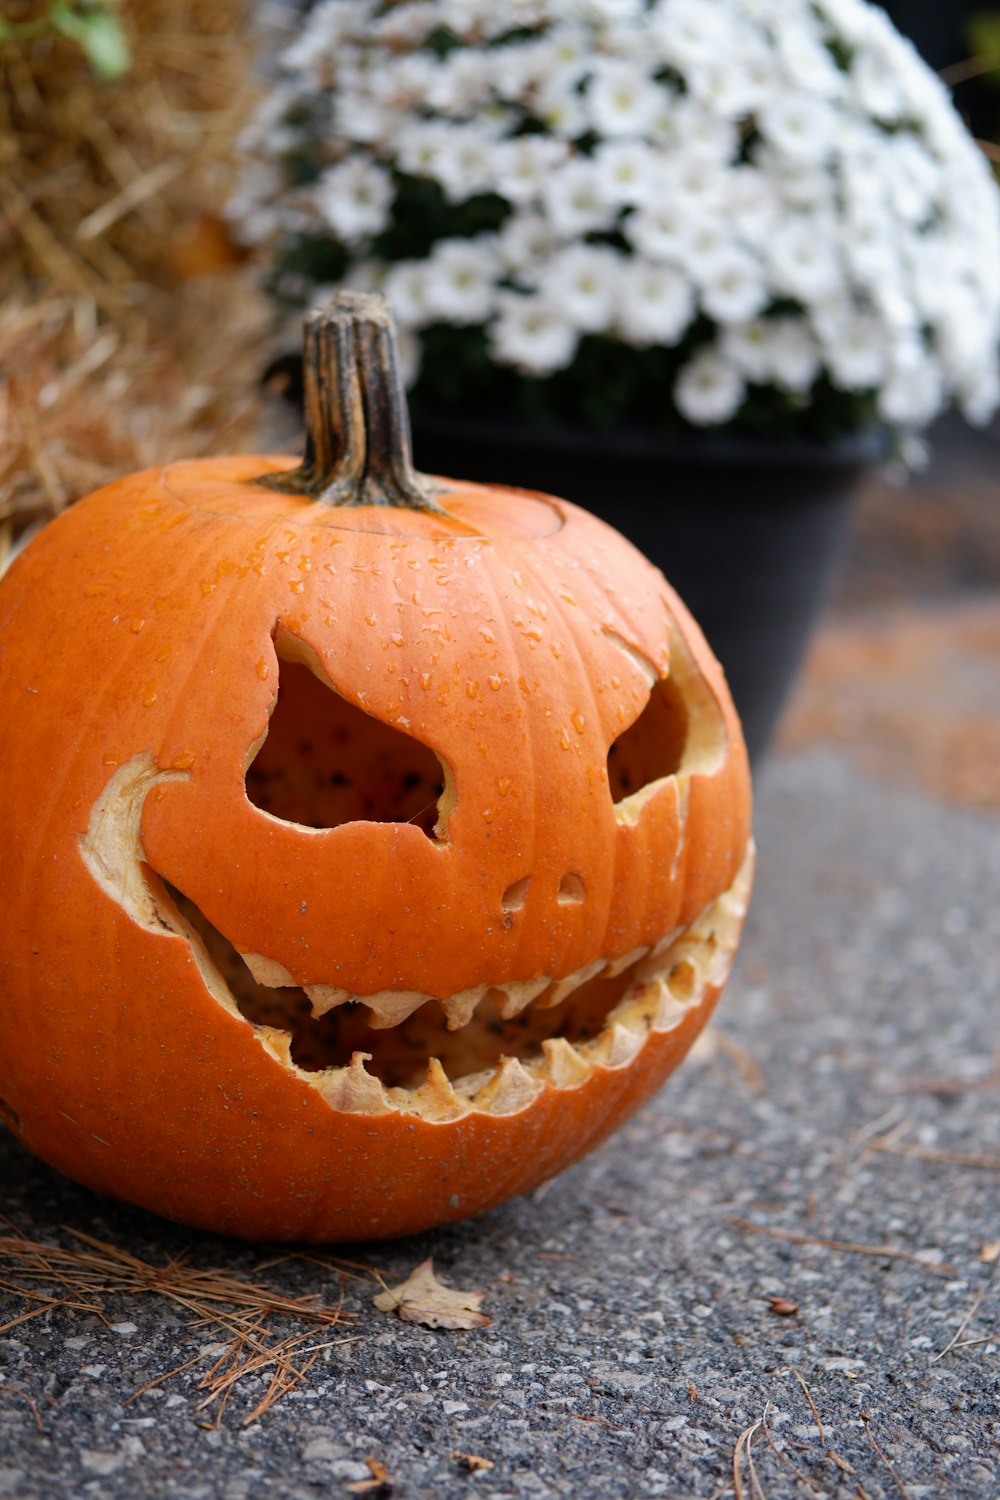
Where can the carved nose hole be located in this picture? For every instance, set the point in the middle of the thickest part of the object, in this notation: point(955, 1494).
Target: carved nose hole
point(571, 892)
point(514, 896)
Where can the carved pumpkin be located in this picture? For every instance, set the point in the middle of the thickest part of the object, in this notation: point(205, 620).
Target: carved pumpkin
point(373, 844)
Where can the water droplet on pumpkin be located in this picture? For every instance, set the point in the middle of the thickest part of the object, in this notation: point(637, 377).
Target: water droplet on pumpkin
point(495, 682)
point(184, 761)
point(503, 785)
point(579, 722)
point(149, 699)
point(564, 739)
point(488, 814)
point(263, 670)
point(296, 585)
point(371, 620)
point(472, 689)
point(136, 626)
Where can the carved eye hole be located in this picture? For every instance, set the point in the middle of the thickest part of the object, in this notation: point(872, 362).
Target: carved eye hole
point(652, 747)
point(681, 728)
point(324, 762)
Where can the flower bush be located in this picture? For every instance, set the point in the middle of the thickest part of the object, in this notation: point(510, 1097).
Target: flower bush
point(682, 213)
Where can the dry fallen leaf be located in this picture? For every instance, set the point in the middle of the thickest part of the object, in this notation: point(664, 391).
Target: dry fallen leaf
point(422, 1299)
point(990, 1253)
point(473, 1463)
point(782, 1307)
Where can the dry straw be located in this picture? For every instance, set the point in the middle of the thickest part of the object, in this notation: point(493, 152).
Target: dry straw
point(128, 332)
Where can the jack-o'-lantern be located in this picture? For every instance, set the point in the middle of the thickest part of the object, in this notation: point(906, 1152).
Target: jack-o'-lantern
point(373, 844)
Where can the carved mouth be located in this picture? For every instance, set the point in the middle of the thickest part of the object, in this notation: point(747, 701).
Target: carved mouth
point(490, 1049)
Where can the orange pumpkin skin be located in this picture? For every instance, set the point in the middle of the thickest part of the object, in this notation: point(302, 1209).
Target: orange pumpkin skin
point(514, 636)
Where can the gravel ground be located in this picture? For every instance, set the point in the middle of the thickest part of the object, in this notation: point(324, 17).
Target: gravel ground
point(799, 1240)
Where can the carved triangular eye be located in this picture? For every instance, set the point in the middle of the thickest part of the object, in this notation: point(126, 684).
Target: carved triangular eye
point(324, 761)
point(652, 747)
point(680, 730)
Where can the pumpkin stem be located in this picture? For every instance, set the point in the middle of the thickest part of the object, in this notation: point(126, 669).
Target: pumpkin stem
point(357, 424)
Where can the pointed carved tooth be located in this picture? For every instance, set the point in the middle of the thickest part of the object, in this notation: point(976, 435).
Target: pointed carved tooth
point(389, 1007)
point(519, 993)
point(460, 1008)
point(326, 997)
point(267, 971)
point(435, 1099)
point(617, 1046)
point(509, 1090)
point(670, 1012)
point(564, 987)
point(563, 1066)
point(352, 1089)
point(619, 965)
point(278, 1043)
point(683, 981)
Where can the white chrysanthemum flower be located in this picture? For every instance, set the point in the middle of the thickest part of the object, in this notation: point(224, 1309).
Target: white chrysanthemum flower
point(800, 126)
point(403, 25)
point(913, 394)
point(730, 87)
point(854, 350)
point(751, 205)
point(326, 30)
point(581, 284)
point(530, 334)
point(576, 200)
point(459, 82)
point(807, 60)
point(629, 172)
point(407, 286)
point(461, 277)
point(523, 165)
point(877, 88)
point(363, 120)
point(745, 346)
point(733, 286)
point(792, 354)
point(621, 100)
point(696, 133)
point(559, 105)
point(709, 390)
point(803, 259)
point(706, 250)
point(524, 245)
point(464, 162)
point(423, 145)
point(354, 197)
point(655, 303)
point(662, 231)
point(687, 33)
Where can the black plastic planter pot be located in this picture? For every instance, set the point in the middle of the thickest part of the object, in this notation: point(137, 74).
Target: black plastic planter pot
point(751, 535)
